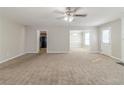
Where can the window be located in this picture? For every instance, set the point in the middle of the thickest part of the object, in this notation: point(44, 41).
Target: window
point(87, 38)
point(106, 36)
point(76, 39)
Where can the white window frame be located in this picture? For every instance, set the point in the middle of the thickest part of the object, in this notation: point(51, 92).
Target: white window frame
point(106, 39)
point(87, 39)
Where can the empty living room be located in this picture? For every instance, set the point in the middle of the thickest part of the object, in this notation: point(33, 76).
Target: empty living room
point(62, 45)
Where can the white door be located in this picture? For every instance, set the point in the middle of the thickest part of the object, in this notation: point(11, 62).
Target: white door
point(106, 42)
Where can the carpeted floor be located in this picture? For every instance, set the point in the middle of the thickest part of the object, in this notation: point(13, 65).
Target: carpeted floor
point(77, 67)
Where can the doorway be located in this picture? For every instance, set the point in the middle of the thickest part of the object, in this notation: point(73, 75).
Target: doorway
point(43, 41)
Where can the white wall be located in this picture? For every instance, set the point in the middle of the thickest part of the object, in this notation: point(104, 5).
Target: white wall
point(122, 38)
point(58, 39)
point(12, 37)
point(115, 37)
point(31, 40)
point(94, 41)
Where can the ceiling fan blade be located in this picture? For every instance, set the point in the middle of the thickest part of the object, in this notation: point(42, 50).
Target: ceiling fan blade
point(68, 8)
point(76, 9)
point(80, 15)
point(59, 12)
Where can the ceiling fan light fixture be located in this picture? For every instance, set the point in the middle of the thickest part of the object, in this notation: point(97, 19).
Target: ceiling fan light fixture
point(71, 18)
point(68, 18)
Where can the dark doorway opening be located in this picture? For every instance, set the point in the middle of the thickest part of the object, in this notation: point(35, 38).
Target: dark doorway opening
point(43, 41)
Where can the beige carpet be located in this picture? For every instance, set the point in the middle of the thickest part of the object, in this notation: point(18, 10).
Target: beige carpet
point(72, 68)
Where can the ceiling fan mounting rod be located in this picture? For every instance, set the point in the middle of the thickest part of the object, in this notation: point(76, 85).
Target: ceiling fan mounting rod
point(69, 13)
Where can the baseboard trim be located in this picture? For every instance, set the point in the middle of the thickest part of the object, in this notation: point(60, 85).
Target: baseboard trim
point(11, 58)
point(59, 52)
point(119, 59)
point(31, 52)
point(93, 51)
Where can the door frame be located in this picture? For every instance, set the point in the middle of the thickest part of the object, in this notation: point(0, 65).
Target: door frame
point(38, 39)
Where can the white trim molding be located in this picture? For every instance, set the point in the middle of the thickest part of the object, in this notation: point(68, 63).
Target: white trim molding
point(119, 59)
point(57, 51)
point(11, 58)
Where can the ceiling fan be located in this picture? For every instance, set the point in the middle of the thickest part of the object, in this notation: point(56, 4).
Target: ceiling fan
point(70, 13)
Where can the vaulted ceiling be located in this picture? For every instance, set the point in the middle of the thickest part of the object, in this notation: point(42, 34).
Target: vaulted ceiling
point(47, 16)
